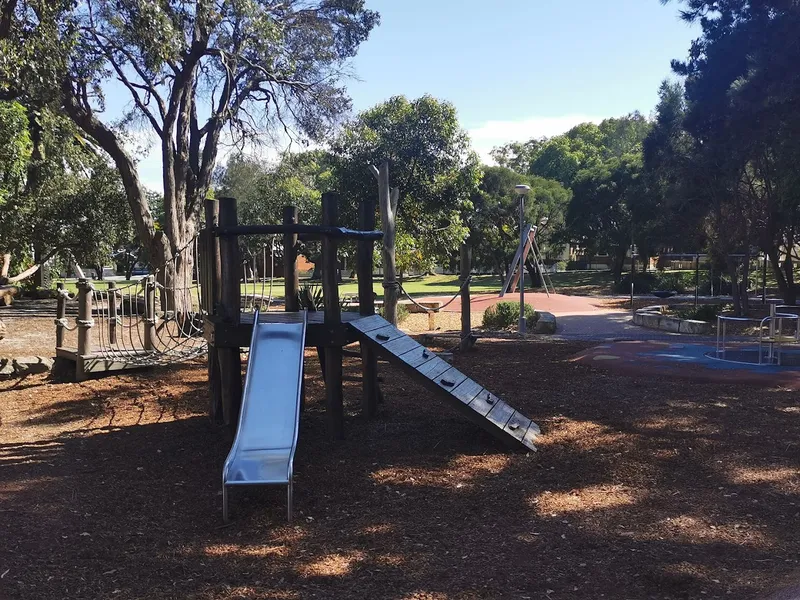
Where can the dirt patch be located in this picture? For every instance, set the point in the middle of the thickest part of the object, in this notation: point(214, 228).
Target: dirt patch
point(643, 487)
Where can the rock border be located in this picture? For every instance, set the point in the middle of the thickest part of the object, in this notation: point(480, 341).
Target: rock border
point(21, 366)
point(546, 323)
point(653, 317)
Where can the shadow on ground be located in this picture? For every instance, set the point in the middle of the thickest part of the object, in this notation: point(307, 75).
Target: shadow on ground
point(643, 488)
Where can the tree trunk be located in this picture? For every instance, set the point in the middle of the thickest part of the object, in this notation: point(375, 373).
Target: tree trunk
point(618, 262)
point(175, 275)
point(786, 289)
point(5, 266)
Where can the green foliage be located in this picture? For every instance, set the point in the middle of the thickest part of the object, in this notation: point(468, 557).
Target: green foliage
point(668, 281)
point(69, 197)
point(430, 161)
point(402, 313)
point(191, 70)
point(505, 315)
point(704, 312)
point(15, 150)
point(563, 156)
point(263, 189)
point(742, 87)
point(311, 297)
point(494, 220)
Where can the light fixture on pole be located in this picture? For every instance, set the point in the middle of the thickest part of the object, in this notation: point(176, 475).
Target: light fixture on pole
point(522, 191)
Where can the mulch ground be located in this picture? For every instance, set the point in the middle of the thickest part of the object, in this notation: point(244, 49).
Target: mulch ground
point(643, 487)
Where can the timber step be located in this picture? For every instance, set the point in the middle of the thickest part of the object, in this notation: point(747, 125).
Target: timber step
point(469, 397)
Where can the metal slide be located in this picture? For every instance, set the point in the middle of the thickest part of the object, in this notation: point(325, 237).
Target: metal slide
point(263, 451)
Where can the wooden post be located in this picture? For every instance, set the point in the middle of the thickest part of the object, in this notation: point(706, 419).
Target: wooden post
point(112, 312)
point(229, 309)
point(291, 280)
point(366, 307)
point(85, 324)
point(61, 315)
point(387, 202)
point(212, 267)
point(466, 316)
point(696, 280)
point(150, 313)
point(334, 404)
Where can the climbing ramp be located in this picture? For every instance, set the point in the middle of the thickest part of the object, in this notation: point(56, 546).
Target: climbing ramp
point(467, 396)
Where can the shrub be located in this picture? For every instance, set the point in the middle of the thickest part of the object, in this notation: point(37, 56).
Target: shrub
point(644, 283)
point(704, 312)
point(402, 313)
point(504, 315)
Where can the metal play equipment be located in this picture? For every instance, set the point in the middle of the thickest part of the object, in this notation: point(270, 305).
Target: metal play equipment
point(527, 245)
point(266, 438)
point(772, 332)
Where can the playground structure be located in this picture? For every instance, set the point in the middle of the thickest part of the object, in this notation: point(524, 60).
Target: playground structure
point(150, 322)
point(771, 333)
point(527, 245)
point(228, 330)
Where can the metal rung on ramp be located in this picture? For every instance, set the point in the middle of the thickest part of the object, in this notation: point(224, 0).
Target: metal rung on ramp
point(266, 437)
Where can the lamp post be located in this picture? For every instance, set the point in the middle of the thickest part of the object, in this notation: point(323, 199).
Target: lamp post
point(522, 191)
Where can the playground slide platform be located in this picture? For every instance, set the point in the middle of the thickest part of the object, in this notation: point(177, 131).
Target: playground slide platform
point(468, 397)
point(266, 438)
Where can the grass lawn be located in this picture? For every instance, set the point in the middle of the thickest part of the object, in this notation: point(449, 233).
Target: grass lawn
point(581, 283)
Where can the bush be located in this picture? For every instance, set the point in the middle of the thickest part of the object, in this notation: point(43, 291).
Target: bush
point(505, 315)
point(644, 283)
point(704, 312)
point(402, 313)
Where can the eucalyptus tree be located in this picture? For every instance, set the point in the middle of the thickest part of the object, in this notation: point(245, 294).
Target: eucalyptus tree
point(193, 72)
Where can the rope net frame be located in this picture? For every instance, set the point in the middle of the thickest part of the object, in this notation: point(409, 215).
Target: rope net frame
point(155, 320)
point(158, 319)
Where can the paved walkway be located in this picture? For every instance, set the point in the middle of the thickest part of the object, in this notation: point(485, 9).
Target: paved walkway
point(579, 317)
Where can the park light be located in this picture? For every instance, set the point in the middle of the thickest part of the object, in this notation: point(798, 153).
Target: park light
point(522, 190)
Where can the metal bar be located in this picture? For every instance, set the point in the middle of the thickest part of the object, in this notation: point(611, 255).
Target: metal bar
point(298, 228)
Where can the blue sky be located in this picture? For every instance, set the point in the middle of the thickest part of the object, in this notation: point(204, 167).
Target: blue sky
point(516, 69)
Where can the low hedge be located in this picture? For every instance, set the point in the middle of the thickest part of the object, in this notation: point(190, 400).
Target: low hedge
point(505, 315)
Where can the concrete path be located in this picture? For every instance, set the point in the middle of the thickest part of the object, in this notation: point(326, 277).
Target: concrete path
point(579, 317)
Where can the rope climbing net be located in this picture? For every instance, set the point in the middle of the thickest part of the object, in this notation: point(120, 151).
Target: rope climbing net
point(156, 320)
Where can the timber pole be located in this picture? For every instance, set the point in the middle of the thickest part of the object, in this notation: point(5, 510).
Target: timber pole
point(366, 308)
point(85, 324)
point(387, 203)
point(112, 312)
point(230, 360)
point(212, 268)
point(291, 278)
point(464, 276)
point(334, 402)
point(61, 315)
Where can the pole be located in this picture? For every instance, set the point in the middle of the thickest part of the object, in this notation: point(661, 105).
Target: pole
point(61, 314)
point(633, 275)
point(85, 324)
point(387, 201)
point(149, 313)
point(764, 280)
point(696, 280)
point(212, 266)
point(366, 307)
point(230, 360)
point(291, 279)
point(522, 265)
point(334, 404)
point(112, 312)
point(466, 316)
